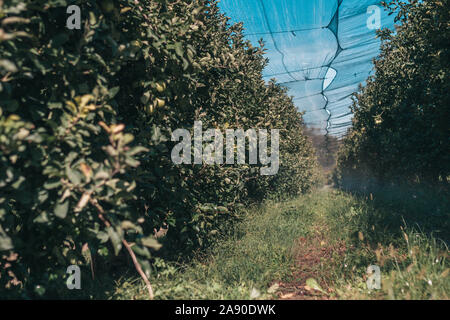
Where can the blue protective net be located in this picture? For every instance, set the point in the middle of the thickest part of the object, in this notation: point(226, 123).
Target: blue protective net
point(320, 49)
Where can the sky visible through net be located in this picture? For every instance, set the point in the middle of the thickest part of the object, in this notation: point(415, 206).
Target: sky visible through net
point(320, 49)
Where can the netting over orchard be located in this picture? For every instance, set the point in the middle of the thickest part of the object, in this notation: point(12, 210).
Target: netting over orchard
point(320, 49)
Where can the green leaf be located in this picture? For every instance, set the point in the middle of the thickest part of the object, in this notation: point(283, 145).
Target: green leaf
point(52, 184)
point(127, 138)
point(137, 150)
point(8, 66)
point(102, 236)
point(115, 240)
point(179, 49)
point(146, 267)
point(142, 251)
point(41, 218)
point(132, 162)
point(54, 105)
point(92, 18)
point(126, 224)
point(5, 241)
point(113, 92)
point(312, 283)
point(61, 209)
point(73, 175)
point(18, 183)
point(151, 243)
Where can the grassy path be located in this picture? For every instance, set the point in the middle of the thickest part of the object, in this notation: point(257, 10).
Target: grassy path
point(315, 247)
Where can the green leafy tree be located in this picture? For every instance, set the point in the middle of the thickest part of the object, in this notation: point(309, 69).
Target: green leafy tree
point(86, 118)
point(400, 129)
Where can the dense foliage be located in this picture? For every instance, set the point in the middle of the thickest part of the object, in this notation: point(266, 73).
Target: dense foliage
point(400, 129)
point(85, 123)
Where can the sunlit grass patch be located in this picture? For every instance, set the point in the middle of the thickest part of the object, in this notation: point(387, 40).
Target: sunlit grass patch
point(242, 265)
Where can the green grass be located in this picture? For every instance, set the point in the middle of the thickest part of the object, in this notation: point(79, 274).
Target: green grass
point(396, 234)
point(248, 259)
point(261, 250)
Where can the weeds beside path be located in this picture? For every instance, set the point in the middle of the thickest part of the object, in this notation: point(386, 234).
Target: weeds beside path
point(315, 247)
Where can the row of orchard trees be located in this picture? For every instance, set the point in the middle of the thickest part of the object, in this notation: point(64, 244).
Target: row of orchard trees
point(401, 129)
point(85, 123)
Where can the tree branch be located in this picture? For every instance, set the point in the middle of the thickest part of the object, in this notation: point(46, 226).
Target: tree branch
point(137, 265)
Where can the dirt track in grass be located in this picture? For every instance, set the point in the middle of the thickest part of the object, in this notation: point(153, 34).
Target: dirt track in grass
point(314, 255)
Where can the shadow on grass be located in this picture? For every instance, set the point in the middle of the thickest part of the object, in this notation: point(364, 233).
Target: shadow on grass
point(390, 208)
